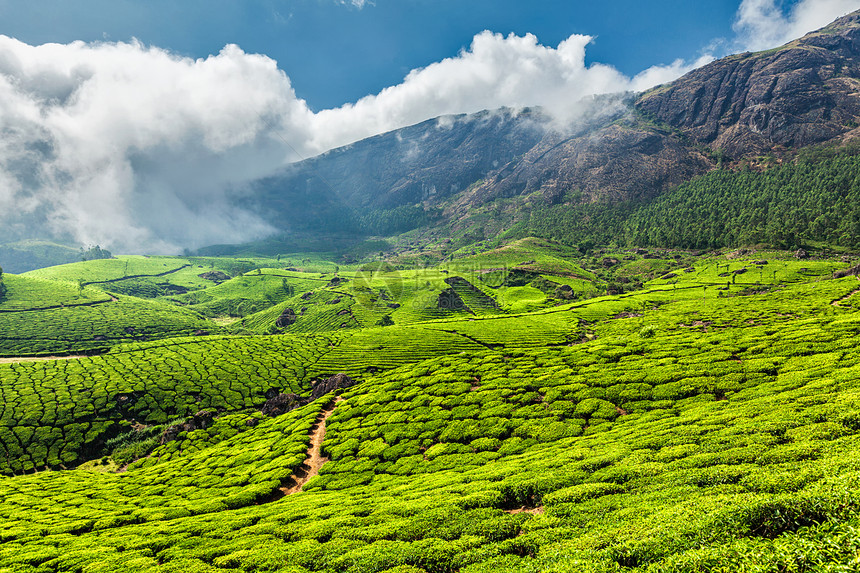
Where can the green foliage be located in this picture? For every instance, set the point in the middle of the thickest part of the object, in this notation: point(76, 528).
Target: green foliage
point(785, 206)
point(812, 199)
point(149, 383)
point(72, 311)
point(248, 294)
point(401, 219)
point(95, 253)
point(22, 256)
point(134, 444)
point(45, 316)
point(673, 428)
point(647, 331)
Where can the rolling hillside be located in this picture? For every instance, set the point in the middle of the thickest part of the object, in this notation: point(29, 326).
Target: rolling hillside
point(630, 345)
point(698, 423)
point(40, 316)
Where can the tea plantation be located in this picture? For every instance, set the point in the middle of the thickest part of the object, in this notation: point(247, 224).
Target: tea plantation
point(708, 420)
point(55, 317)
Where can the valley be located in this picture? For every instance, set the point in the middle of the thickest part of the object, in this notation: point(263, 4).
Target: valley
point(706, 417)
point(486, 342)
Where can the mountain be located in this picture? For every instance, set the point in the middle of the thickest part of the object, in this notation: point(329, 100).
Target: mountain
point(803, 93)
point(624, 147)
point(472, 176)
point(422, 164)
point(22, 256)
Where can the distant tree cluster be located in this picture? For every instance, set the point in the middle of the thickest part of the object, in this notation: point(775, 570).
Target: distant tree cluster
point(394, 221)
point(346, 221)
point(784, 206)
point(2, 285)
point(584, 225)
point(815, 198)
point(94, 253)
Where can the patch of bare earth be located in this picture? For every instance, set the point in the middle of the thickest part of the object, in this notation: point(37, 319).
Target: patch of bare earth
point(314, 460)
point(532, 510)
point(16, 359)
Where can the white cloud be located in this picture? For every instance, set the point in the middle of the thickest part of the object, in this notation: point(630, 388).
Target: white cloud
point(357, 3)
point(137, 149)
point(496, 71)
point(657, 75)
point(763, 24)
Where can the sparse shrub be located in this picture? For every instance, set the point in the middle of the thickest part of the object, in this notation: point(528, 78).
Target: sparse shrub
point(385, 321)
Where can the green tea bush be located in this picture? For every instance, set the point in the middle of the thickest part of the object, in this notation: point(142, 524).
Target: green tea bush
point(728, 445)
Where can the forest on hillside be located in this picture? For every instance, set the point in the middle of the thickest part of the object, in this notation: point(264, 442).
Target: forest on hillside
point(814, 198)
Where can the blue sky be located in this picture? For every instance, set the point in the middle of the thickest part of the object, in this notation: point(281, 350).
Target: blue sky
point(335, 52)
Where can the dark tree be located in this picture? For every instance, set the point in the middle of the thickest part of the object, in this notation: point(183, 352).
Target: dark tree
point(94, 253)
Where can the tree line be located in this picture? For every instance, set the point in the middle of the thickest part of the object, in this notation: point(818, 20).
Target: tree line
point(816, 197)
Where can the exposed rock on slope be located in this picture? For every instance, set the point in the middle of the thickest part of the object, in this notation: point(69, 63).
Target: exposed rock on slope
point(337, 382)
point(623, 160)
point(285, 402)
point(803, 93)
point(427, 162)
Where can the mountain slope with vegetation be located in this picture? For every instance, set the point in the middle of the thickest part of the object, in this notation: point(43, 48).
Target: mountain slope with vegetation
point(812, 199)
point(800, 94)
point(479, 175)
point(52, 317)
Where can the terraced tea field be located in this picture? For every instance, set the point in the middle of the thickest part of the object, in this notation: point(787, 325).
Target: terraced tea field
point(250, 293)
point(695, 424)
point(49, 317)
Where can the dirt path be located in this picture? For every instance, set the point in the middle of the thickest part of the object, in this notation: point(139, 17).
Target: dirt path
point(315, 460)
point(846, 297)
point(16, 359)
point(60, 306)
point(524, 509)
point(118, 279)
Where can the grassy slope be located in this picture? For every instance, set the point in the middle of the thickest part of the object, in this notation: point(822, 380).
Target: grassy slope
point(49, 422)
point(26, 293)
point(21, 256)
point(101, 270)
point(528, 253)
point(142, 275)
point(250, 293)
point(67, 309)
point(698, 430)
point(48, 317)
point(410, 296)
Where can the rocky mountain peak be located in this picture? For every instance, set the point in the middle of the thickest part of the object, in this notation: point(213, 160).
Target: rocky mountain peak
point(802, 93)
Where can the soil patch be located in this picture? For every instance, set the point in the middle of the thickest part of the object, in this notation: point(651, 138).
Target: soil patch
point(524, 509)
point(314, 460)
point(16, 359)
